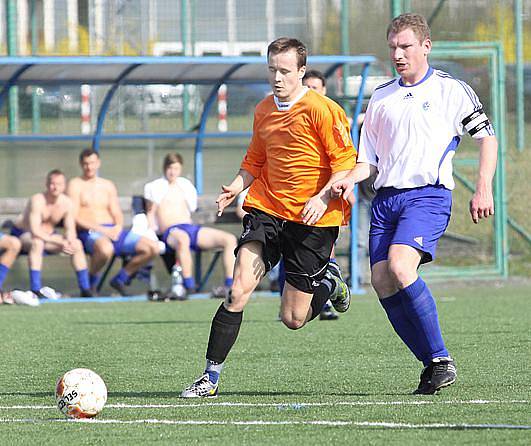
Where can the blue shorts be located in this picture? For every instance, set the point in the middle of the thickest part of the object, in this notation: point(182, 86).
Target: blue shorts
point(415, 217)
point(125, 245)
point(191, 230)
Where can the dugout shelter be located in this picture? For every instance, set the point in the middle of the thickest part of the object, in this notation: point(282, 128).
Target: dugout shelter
point(212, 71)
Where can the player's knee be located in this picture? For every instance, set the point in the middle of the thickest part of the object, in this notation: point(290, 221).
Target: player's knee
point(230, 241)
point(105, 250)
point(400, 273)
point(292, 323)
point(37, 244)
point(382, 283)
point(14, 245)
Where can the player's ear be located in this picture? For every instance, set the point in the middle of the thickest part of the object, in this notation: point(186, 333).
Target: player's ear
point(302, 72)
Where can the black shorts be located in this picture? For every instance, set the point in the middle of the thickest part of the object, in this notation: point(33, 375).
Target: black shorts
point(306, 249)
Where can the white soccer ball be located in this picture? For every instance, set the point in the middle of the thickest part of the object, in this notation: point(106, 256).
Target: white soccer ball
point(80, 393)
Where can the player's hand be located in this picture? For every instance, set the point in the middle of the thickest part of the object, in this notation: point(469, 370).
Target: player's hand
point(481, 205)
point(67, 247)
point(343, 188)
point(314, 209)
point(226, 197)
point(112, 232)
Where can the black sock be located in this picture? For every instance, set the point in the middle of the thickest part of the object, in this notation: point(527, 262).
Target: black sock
point(223, 333)
point(320, 296)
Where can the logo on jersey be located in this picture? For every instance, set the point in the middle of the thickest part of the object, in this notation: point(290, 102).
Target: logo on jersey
point(426, 106)
point(343, 133)
point(418, 240)
point(408, 96)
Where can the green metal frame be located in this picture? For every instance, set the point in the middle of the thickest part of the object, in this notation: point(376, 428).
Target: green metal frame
point(493, 51)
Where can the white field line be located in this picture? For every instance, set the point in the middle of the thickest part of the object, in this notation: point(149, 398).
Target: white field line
point(384, 424)
point(283, 405)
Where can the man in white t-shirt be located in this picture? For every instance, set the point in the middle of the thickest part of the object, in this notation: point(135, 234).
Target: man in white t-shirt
point(412, 128)
point(171, 200)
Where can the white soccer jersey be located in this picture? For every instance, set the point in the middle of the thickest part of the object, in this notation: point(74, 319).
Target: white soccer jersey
point(156, 190)
point(410, 133)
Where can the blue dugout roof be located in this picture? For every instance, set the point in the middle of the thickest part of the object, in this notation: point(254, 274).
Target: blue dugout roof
point(206, 70)
point(150, 70)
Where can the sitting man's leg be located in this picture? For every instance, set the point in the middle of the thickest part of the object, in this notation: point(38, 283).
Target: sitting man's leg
point(10, 247)
point(101, 250)
point(142, 249)
point(210, 238)
point(35, 254)
point(179, 241)
point(79, 263)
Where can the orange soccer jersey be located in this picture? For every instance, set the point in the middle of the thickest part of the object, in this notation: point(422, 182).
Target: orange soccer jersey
point(292, 155)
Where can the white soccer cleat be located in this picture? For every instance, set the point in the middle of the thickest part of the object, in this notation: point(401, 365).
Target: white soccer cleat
point(25, 298)
point(202, 387)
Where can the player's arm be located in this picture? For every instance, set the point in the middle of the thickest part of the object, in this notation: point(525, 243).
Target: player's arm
point(242, 181)
point(316, 206)
point(151, 214)
point(115, 211)
point(344, 187)
point(35, 209)
point(69, 221)
point(482, 202)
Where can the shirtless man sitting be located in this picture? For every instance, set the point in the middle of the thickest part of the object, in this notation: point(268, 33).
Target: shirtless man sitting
point(36, 229)
point(171, 200)
point(9, 249)
point(100, 220)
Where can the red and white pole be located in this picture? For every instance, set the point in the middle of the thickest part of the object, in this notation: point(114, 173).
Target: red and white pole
point(222, 108)
point(85, 109)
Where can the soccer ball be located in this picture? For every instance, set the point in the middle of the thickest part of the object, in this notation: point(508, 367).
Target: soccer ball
point(80, 393)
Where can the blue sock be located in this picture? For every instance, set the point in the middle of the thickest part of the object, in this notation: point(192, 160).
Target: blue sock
point(35, 280)
point(94, 279)
point(228, 282)
point(83, 279)
point(3, 273)
point(122, 276)
point(403, 327)
point(189, 283)
point(419, 305)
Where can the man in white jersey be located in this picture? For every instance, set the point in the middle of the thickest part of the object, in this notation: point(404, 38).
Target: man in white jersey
point(412, 128)
point(170, 201)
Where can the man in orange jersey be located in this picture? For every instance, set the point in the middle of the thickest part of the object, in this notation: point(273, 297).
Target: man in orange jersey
point(300, 146)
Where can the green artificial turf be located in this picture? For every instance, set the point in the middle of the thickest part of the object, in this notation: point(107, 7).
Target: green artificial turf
point(332, 381)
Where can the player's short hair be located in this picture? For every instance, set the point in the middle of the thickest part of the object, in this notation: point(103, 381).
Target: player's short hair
point(85, 153)
point(284, 44)
point(172, 158)
point(310, 74)
point(53, 173)
point(415, 22)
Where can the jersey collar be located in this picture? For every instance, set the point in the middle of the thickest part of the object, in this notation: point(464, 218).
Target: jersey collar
point(285, 106)
point(426, 76)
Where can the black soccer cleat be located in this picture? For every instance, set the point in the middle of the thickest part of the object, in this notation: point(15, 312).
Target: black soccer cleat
point(439, 374)
point(120, 287)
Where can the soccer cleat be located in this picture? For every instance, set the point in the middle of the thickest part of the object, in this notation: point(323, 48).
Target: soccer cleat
point(86, 292)
point(425, 381)
point(328, 315)
point(439, 374)
point(220, 292)
point(202, 387)
point(340, 297)
point(119, 286)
